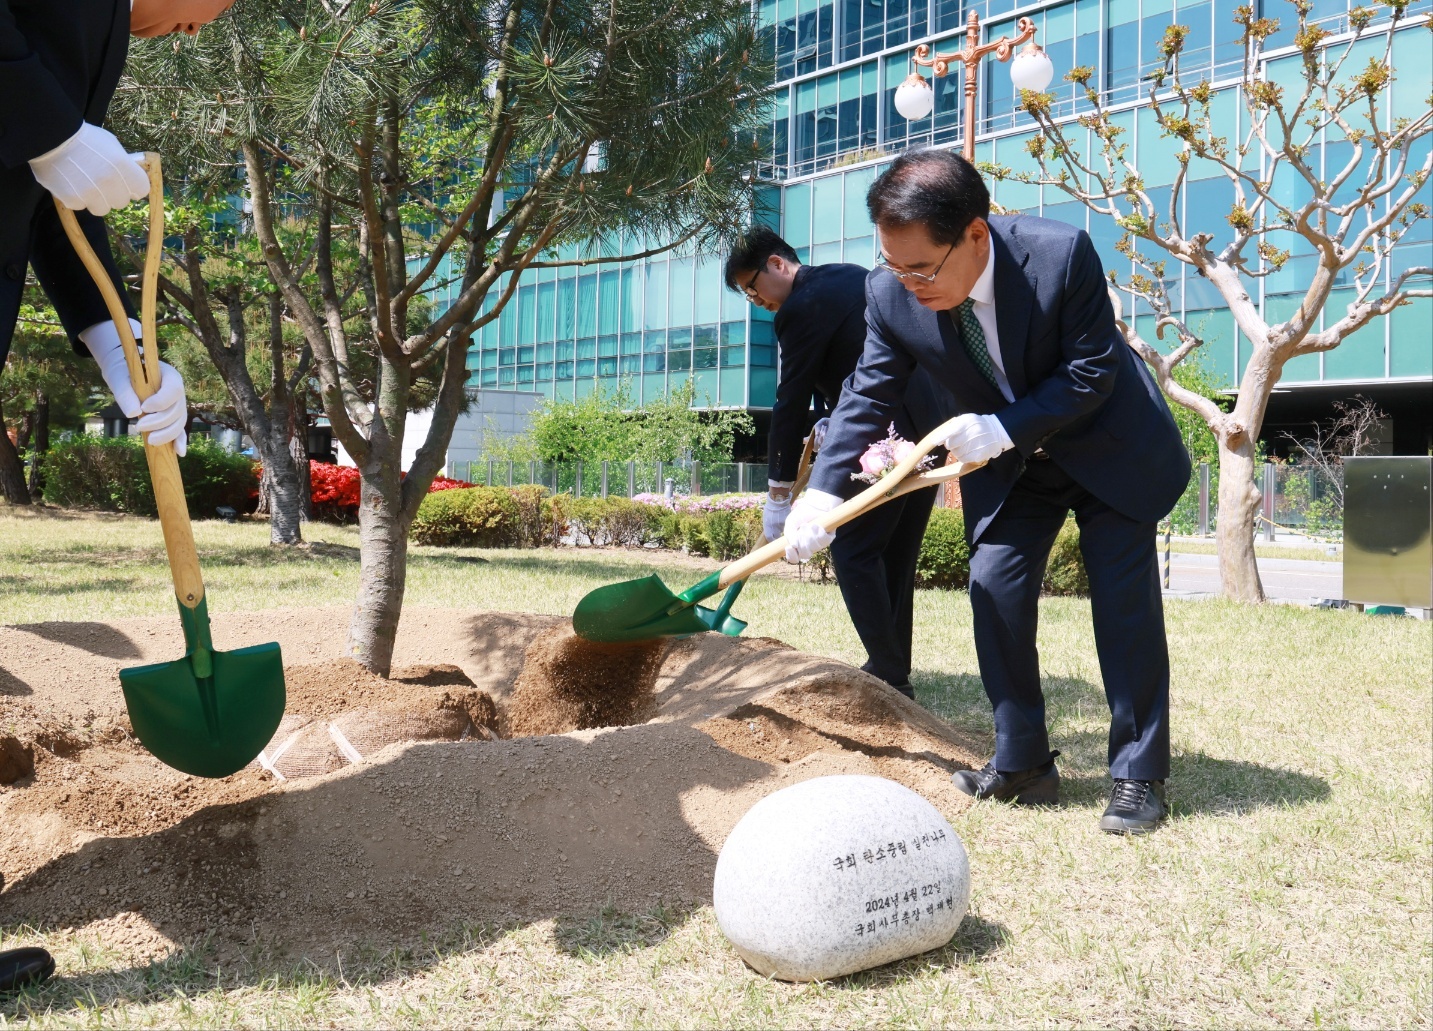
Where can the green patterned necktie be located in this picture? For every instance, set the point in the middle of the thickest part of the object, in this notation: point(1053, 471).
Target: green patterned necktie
point(973, 337)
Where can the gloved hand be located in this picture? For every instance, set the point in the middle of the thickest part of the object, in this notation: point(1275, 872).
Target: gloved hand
point(978, 438)
point(818, 433)
point(778, 507)
point(163, 414)
point(804, 535)
point(91, 170)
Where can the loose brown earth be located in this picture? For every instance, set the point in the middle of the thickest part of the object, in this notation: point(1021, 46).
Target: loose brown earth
point(637, 764)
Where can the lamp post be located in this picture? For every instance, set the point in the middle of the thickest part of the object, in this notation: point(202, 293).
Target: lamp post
point(1031, 70)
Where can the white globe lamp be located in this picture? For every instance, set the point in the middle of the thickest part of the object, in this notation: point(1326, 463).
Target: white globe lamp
point(914, 98)
point(1031, 69)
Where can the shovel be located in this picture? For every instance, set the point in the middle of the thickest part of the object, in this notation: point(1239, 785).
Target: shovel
point(211, 712)
point(641, 610)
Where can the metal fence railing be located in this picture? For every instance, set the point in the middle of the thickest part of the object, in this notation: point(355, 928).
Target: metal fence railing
point(617, 479)
point(1297, 498)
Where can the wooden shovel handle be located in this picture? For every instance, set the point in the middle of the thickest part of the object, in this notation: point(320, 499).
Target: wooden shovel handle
point(898, 481)
point(803, 471)
point(144, 377)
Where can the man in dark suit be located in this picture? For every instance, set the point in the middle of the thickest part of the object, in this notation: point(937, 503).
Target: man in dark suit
point(60, 61)
point(821, 329)
point(1013, 316)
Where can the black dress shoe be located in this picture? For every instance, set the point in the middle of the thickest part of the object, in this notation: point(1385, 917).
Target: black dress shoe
point(1037, 786)
point(20, 968)
point(1136, 807)
point(906, 690)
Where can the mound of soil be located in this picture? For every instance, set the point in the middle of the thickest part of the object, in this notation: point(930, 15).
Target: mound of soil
point(338, 713)
point(568, 683)
point(421, 836)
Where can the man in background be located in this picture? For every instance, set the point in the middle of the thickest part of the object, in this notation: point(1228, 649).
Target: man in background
point(821, 331)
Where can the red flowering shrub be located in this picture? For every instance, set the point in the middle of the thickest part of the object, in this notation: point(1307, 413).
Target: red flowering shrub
point(335, 491)
point(443, 483)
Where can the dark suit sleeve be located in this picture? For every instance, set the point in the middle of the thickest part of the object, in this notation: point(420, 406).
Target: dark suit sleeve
point(36, 115)
point(869, 403)
point(803, 341)
point(1089, 343)
point(64, 277)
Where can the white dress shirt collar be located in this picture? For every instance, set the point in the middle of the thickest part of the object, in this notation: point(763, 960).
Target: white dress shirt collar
point(983, 292)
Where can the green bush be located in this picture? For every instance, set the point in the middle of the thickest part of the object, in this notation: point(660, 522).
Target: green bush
point(1065, 573)
point(725, 536)
point(542, 518)
point(616, 521)
point(481, 517)
point(944, 556)
point(111, 474)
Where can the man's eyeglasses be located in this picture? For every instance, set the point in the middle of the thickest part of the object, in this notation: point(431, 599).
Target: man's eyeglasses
point(903, 275)
point(750, 288)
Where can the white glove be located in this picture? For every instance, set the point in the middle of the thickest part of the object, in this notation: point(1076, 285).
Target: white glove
point(818, 433)
point(773, 515)
point(977, 439)
point(163, 414)
point(804, 535)
point(91, 170)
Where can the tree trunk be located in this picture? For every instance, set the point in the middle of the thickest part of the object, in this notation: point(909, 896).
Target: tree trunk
point(41, 445)
point(298, 452)
point(286, 498)
point(383, 570)
point(12, 470)
point(1238, 511)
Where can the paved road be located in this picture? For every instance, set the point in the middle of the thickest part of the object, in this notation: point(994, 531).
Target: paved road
point(1285, 579)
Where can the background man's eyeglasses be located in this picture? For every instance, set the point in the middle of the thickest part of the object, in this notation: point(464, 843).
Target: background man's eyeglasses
point(750, 288)
point(902, 275)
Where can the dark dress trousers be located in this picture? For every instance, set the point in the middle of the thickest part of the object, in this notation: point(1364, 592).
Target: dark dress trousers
point(60, 61)
point(1092, 435)
point(821, 330)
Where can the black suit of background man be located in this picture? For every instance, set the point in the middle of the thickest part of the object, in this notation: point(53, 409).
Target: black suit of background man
point(60, 61)
point(821, 329)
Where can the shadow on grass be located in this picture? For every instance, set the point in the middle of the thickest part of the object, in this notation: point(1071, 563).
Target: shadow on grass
point(976, 939)
point(610, 931)
point(1198, 783)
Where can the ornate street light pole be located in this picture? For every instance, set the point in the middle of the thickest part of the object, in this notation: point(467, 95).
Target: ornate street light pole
point(1031, 70)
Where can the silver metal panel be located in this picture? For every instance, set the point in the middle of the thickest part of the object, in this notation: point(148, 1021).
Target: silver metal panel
point(1388, 531)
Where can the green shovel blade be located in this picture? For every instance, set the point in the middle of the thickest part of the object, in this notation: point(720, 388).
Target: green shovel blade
point(210, 713)
point(645, 609)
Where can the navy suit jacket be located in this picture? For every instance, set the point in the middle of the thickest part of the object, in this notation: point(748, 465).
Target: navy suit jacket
point(821, 329)
point(1081, 393)
point(60, 61)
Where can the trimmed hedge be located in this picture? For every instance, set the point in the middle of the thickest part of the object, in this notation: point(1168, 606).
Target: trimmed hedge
point(616, 521)
point(111, 474)
point(945, 557)
point(1066, 574)
point(480, 517)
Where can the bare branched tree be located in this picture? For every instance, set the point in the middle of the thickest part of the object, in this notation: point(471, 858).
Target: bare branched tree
point(1351, 221)
point(1354, 430)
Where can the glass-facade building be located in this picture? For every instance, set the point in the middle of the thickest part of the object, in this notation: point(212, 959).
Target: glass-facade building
point(659, 322)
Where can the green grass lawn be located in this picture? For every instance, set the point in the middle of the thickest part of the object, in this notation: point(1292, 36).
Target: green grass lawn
point(1292, 886)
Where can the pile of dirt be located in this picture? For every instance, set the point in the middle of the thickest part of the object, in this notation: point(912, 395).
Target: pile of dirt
point(568, 683)
point(423, 836)
point(338, 713)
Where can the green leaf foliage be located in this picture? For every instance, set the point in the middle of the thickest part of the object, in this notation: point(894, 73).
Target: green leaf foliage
point(606, 426)
point(110, 474)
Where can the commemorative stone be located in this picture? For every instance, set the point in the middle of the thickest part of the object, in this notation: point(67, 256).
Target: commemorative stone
point(839, 874)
